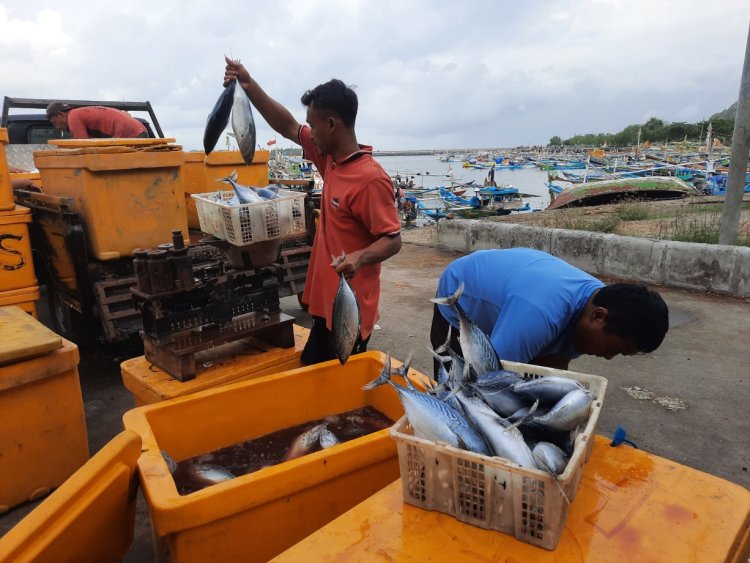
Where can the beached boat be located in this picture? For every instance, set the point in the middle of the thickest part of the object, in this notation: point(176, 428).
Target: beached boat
point(612, 191)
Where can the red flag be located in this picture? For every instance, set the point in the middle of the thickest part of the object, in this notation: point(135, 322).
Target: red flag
point(271, 142)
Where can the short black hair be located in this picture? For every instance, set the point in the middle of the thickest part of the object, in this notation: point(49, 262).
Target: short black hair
point(636, 312)
point(334, 96)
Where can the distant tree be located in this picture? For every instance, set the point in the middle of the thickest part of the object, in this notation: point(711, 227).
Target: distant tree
point(555, 141)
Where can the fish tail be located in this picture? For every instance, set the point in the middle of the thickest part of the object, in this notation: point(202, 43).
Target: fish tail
point(445, 345)
point(451, 299)
point(383, 378)
point(403, 371)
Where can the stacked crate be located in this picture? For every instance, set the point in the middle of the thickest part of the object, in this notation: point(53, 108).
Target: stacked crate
point(18, 284)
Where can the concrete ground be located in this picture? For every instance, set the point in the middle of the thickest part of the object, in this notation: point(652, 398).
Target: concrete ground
point(686, 402)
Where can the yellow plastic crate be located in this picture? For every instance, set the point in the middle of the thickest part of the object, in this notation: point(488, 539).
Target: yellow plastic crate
point(491, 492)
point(90, 518)
point(254, 517)
point(128, 197)
point(150, 384)
point(6, 189)
point(43, 439)
point(16, 262)
point(200, 173)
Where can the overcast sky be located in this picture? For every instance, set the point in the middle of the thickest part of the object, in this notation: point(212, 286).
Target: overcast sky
point(428, 74)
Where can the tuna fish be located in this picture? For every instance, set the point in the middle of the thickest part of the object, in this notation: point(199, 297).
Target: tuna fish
point(245, 194)
point(243, 124)
point(219, 117)
point(549, 390)
point(499, 394)
point(433, 419)
point(504, 439)
point(475, 344)
point(345, 320)
point(550, 458)
point(569, 413)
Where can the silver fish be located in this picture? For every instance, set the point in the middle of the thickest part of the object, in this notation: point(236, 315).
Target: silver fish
point(569, 413)
point(271, 192)
point(550, 458)
point(327, 438)
point(549, 389)
point(505, 440)
point(218, 118)
point(212, 473)
point(475, 344)
point(245, 194)
point(171, 464)
point(243, 124)
point(345, 320)
point(498, 393)
point(306, 443)
point(431, 418)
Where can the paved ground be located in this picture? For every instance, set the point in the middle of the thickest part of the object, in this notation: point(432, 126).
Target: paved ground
point(686, 402)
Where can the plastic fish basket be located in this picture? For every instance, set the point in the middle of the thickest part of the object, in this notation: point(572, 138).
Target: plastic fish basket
point(491, 492)
point(251, 222)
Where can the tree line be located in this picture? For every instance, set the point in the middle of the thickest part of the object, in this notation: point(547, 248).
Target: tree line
point(655, 130)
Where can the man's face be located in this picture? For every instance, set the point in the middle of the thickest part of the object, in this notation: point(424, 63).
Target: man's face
point(591, 338)
point(321, 129)
point(59, 121)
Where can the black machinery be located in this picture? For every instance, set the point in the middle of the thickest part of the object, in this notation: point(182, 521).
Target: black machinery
point(188, 306)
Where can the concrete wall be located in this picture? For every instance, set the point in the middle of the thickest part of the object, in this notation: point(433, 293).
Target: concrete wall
point(706, 267)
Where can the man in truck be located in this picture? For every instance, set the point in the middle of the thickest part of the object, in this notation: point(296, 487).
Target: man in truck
point(359, 226)
point(94, 121)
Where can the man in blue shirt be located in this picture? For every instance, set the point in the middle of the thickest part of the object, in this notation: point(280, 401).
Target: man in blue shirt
point(538, 309)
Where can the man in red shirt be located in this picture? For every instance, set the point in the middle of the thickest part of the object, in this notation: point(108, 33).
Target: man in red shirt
point(94, 121)
point(359, 226)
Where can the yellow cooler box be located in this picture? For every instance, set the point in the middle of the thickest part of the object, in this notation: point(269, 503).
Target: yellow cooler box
point(16, 262)
point(254, 358)
point(43, 437)
point(6, 189)
point(128, 196)
point(25, 298)
point(201, 172)
point(255, 516)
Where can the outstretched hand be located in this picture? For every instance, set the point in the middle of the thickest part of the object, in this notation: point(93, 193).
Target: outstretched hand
point(236, 71)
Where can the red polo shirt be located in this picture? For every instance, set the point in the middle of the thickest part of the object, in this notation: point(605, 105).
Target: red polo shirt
point(98, 121)
point(356, 209)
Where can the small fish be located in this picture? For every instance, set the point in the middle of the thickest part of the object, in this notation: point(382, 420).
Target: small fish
point(212, 474)
point(550, 458)
point(431, 418)
point(243, 124)
point(475, 344)
point(218, 118)
point(306, 443)
point(171, 464)
point(245, 194)
point(345, 320)
point(568, 413)
point(327, 438)
point(549, 389)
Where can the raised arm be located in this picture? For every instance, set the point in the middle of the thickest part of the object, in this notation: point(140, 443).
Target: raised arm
point(276, 115)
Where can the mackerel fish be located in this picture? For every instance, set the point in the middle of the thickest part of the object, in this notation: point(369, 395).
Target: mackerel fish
point(219, 117)
point(549, 458)
point(245, 194)
point(346, 321)
point(569, 413)
point(243, 124)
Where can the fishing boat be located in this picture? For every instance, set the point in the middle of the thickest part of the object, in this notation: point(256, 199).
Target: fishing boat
point(612, 191)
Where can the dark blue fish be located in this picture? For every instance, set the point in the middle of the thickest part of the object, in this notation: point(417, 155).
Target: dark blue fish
point(218, 118)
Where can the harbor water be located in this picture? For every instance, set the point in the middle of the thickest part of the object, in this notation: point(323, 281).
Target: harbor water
point(429, 172)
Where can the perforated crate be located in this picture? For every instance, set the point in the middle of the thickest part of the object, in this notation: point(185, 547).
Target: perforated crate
point(491, 492)
point(251, 222)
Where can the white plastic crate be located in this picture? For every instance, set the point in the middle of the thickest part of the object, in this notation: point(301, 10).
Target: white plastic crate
point(491, 492)
point(251, 222)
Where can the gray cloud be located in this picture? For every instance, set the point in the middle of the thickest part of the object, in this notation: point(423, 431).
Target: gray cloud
point(428, 74)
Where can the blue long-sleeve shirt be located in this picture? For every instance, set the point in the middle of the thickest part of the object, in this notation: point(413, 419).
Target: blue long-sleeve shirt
point(525, 300)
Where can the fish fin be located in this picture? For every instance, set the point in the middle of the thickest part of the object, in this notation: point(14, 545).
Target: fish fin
point(445, 345)
point(383, 378)
point(233, 175)
point(451, 299)
point(403, 371)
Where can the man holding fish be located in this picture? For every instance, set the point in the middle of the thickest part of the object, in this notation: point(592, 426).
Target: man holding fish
point(538, 309)
point(359, 226)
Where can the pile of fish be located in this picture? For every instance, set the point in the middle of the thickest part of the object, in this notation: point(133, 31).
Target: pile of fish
point(246, 194)
point(479, 407)
point(234, 101)
point(227, 463)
